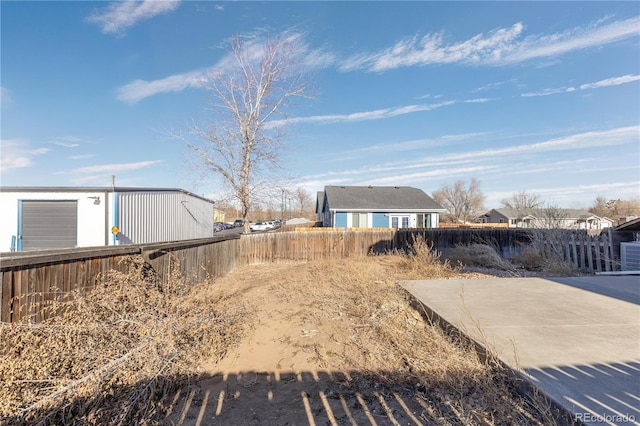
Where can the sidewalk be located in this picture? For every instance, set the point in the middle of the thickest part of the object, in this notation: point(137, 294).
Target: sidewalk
point(577, 339)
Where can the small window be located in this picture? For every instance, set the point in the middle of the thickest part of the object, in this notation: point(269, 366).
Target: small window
point(359, 220)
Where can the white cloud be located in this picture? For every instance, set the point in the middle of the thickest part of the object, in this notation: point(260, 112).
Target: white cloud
point(414, 144)
point(362, 116)
point(499, 47)
point(568, 194)
point(619, 136)
point(113, 168)
point(121, 15)
point(479, 100)
point(611, 82)
point(489, 86)
point(408, 178)
point(81, 156)
point(506, 160)
point(614, 81)
point(547, 92)
point(140, 89)
point(576, 39)
point(66, 142)
point(253, 50)
point(16, 154)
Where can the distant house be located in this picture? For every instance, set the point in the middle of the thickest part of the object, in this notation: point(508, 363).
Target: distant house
point(377, 207)
point(37, 218)
point(218, 215)
point(547, 218)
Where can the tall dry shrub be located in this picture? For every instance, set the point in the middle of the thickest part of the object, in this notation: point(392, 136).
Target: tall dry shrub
point(547, 252)
point(423, 261)
point(112, 356)
point(480, 255)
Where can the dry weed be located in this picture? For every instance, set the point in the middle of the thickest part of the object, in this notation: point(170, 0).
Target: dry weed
point(480, 255)
point(374, 330)
point(535, 260)
point(423, 261)
point(114, 355)
point(111, 356)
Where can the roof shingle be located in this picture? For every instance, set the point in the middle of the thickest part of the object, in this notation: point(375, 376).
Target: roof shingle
point(379, 198)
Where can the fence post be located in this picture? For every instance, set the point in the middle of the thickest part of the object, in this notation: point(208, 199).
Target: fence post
point(598, 244)
point(589, 246)
point(610, 254)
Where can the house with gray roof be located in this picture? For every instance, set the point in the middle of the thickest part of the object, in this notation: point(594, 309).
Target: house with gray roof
point(377, 207)
point(547, 218)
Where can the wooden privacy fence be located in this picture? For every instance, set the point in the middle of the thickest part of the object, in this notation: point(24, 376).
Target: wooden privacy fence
point(33, 279)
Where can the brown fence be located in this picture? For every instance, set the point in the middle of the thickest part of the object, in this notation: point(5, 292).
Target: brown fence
point(590, 253)
point(29, 280)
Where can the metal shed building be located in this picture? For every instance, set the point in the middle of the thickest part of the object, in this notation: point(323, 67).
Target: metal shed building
point(37, 218)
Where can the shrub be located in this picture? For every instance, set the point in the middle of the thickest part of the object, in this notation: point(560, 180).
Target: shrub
point(480, 255)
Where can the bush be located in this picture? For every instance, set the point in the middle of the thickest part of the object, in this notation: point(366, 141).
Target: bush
point(422, 261)
point(480, 255)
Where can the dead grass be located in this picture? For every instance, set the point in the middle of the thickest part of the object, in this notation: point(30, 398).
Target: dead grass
point(380, 335)
point(532, 259)
point(480, 255)
point(114, 355)
point(109, 355)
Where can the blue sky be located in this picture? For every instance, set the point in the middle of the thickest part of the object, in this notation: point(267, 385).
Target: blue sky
point(542, 97)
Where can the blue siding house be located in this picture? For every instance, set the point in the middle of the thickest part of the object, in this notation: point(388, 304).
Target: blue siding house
point(377, 207)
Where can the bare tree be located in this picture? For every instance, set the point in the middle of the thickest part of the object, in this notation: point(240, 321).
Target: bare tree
point(304, 202)
point(242, 136)
point(600, 206)
point(462, 202)
point(551, 217)
point(522, 200)
point(615, 209)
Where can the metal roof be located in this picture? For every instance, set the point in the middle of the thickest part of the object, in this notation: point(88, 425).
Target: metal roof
point(379, 198)
point(97, 189)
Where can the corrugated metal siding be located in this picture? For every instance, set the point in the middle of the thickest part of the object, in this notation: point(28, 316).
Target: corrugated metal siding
point(148, 217)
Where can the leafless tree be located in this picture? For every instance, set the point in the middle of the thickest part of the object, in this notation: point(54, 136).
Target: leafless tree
point(522, 200)
point(551, 217)
point(304, 202)
point(250, 94)
point(615, 209)
point(463, 202)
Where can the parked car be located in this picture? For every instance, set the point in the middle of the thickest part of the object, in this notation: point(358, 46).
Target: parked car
point(221, 226)
point(238, 223)
point(261, 226)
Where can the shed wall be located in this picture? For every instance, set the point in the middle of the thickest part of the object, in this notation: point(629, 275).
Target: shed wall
point(91, 215)
point(149, 217)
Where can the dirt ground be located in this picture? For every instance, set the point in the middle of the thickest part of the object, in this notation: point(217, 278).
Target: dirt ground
point(339, 344)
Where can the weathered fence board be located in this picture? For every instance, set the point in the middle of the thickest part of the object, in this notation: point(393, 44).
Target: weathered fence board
point(587, 253)
point(33, 280)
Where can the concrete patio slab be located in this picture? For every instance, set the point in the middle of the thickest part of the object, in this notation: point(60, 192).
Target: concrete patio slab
point(577, 339)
